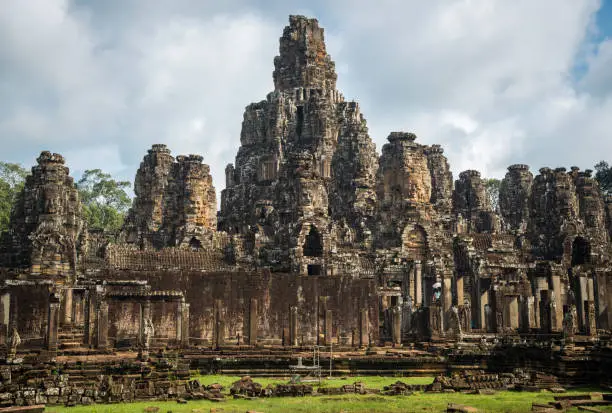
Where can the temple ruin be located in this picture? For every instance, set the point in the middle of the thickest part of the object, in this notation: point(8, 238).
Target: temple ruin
point(319, 239)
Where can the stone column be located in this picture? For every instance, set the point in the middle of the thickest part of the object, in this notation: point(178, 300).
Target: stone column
point(68, 306)
point(293, 326)
point(5, 308)
point(601, 297)
point(219, 327)
point(253, 322)
point(90, 317)
point(185, 325)
point(328, 329)
point(460, 296)
point(145, 313)
point(484, 302)
point(363, 328)
point(102, 342)
point(179, 320)
point(557, 316)
point(447, 299)
point(513, 313)
point(397, 325)
point(528, 308)
point(418, 279)
point(53, 323)
point(584, 296)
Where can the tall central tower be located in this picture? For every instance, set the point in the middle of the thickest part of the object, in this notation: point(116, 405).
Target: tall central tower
point(303, 183)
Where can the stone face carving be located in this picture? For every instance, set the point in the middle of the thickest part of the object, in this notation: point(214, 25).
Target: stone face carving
point(175, 202)
point(514, 195)
point(47, 231)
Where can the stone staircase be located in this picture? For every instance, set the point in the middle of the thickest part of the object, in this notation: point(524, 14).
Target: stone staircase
point(70, 338)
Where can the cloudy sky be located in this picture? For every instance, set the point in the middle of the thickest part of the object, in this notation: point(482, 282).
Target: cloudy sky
point(495, 82)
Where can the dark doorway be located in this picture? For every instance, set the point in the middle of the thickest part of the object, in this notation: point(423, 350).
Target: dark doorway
point(581, 251)
point(195, 244)
point(313, 246)
point(314, 269)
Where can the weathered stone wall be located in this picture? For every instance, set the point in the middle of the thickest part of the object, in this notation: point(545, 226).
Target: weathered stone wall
point(275, 294)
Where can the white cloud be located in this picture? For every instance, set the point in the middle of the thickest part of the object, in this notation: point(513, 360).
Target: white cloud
point(490, 80)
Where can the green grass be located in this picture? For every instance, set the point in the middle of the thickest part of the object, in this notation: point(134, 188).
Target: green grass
point(373, 382)
point(420, 402)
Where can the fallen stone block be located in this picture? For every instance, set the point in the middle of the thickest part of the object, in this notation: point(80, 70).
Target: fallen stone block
point(460, 408)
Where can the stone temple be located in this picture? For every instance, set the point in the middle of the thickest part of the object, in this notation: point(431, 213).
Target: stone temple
point(319, 239)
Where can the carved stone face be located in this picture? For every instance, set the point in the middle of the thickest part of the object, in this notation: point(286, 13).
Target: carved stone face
point(51, 197)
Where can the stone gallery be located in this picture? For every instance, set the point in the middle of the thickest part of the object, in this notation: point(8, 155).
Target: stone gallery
point(319, 240)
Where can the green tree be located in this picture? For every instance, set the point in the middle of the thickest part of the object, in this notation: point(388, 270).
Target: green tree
point(492, 186)
point(603, 175)
point(12, 178)
point(105, 200)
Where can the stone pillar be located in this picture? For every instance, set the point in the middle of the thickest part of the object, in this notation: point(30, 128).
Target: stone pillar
point(219, 327)
point(328, 329)
point(252, 322)
point(102, 341)
point(145, 313)
point(397, 325)
point(5, 308)
point(89, 316)
point(583, 297)
point(460, 296)
point(529, 317)
point(53, 323)
point(601, 297)
point(179, 320)
point(557, 316)
point(68, 307)
point(446, 299)
point(484, 304)
point(418, 279)
point(185, 325)
point(364, 339)
point(293, 326)
point(513, 313)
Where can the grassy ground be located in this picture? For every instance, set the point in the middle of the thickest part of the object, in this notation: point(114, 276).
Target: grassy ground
point(419, 402)
point(373, 382)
